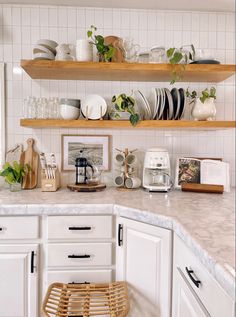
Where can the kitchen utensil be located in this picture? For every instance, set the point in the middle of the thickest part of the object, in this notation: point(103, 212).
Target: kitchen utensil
point(84, 50)
point(94, 107)
point(50, 184)
point(206, 61)
point(202, 188)
point(81, 165)
point(156, 170)
point(116, 42)
point(31, 158)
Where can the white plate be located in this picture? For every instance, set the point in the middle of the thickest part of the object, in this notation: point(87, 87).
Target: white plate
point(148, 113)
point(162, 102)
point(176, 103)
point(94, 106)
point(140, 104)
point(170, 102)
point(44, 56)
point(182, 104)
point(153, 102)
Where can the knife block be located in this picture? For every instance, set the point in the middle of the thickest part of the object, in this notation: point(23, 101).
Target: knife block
point(50, 184)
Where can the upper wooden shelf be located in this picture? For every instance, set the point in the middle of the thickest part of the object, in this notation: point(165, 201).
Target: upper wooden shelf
point(118, 124)
point(66, 70)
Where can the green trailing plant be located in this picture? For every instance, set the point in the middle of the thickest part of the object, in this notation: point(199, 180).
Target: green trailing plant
point(205, 94)
point(105, 52)
point(14, 173)
point(124, 103)
point(180, 56)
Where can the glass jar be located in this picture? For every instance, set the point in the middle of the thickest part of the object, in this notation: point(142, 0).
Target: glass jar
point(15, 187)
point(158, 55)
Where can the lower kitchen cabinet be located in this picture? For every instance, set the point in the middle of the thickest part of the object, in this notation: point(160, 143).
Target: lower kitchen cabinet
point(195, 292)
point(144, 260)
point(18, 280)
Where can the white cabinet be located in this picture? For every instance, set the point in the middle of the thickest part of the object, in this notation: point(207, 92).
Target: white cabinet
point(18, 280)
point(195, 292)
point(143, 259)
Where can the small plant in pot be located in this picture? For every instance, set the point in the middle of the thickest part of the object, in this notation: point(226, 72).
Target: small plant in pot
point(124, 104)
point(105, 52)
point(180, 56)
point(204, 105)
point(14, 174)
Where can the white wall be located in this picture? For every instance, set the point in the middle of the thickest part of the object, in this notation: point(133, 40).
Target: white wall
point(22, 26)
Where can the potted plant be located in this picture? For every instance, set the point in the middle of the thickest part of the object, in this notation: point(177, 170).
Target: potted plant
point(105, 52)
point(14, 174)
point(204, 106)
point(123, 105)
point(180, 56)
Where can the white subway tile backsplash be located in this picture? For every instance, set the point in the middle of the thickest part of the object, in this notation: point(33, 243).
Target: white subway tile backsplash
point(22, 26)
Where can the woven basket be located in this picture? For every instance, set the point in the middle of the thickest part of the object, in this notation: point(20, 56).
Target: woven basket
point(85, 300)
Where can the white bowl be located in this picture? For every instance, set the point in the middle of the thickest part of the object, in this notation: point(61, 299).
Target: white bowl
point(41, 49)
point(44, 56)
point(51, 45)
point(69, 112)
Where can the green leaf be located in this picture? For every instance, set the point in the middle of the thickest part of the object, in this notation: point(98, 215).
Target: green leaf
point(89, 33)
point(134, 119)
point(99, 39)
point(170, 52)
point(176, 58)
point(100, 48)
point(131, 100)
point(117, 115)
point(113, 99)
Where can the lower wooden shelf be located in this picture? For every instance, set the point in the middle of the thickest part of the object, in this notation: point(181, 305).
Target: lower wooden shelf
point(113, 124)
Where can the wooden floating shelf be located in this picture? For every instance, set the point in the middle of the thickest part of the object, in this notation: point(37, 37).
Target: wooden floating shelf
point(113, 124)
point(72, 70)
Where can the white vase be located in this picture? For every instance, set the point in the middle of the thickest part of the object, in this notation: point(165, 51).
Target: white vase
point(204, 111)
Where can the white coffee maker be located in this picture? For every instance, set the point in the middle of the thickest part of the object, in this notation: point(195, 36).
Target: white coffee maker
point(156, 170)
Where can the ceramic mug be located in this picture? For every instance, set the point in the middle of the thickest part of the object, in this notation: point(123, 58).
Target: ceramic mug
point(120, 159)
point(119, 180)
point(130, 159)
point(84, 50)
point(133, 182)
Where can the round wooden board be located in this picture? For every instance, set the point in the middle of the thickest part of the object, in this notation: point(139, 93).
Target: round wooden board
point(86, 187)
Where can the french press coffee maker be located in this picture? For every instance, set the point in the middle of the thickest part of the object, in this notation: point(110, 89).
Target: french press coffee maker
point(81, 164)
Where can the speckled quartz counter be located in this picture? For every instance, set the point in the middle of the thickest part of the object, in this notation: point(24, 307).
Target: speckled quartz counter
point(205, 222)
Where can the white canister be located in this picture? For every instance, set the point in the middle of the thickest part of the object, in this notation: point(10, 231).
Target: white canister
point(133, 182)
point(84, 50)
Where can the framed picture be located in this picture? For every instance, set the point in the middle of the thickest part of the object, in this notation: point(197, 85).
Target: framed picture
point(96, 148)
point(187, 171)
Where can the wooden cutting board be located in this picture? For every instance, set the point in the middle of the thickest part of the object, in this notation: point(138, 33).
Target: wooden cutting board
point(202, 188)
point(30, 157)
point(118, 56)
point(86, 187)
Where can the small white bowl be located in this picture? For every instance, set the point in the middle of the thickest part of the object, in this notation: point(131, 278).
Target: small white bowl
point(51, 45)
point(44, 56)
point(69, 112)
point(41, 49)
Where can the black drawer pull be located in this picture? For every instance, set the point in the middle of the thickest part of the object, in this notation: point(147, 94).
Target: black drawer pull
point(80, 228)
point(195, 282)
point(32, 262)
point(1, 229)
point(74, 283)
point(74, 256)
point(120, 235)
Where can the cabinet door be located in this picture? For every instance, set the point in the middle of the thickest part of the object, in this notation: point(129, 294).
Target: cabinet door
point(18, 280)
point(185, 301)
point(144, 261)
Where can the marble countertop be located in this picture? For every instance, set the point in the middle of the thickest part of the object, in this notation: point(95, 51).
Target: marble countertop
point(205, 222)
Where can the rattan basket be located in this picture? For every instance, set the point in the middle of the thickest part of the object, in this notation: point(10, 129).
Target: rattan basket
point(85, 300)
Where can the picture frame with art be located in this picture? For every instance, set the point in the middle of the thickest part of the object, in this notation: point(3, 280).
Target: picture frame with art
point(96, 148)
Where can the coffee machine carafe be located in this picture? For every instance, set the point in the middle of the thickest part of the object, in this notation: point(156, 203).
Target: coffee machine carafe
point(81, 164)
point(156, 170)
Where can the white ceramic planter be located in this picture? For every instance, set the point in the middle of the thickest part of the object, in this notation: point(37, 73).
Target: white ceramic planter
point(204, 111)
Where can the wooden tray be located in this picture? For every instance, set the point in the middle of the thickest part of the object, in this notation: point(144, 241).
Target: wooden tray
point(202, 188)
point(86, 187)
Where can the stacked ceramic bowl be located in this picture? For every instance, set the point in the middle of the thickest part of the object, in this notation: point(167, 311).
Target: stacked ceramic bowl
point(69, 109)
point(45, 49)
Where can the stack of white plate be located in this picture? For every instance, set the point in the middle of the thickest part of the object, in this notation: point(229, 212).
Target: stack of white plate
point(163, 104)
point(45, 49)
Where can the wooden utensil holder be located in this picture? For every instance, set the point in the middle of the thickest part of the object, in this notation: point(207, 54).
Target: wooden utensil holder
point(50, 184)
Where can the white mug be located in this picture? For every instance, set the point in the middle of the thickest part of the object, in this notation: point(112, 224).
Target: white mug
point(119, 180)
point(130, 159)
point(120, 159)
point(133, 182)
point(84, 50)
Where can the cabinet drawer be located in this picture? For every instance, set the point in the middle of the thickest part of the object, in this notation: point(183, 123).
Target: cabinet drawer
point(209, 291)
point(79, 254)
point(80, 276)
point(19, 228)
point(79, 227)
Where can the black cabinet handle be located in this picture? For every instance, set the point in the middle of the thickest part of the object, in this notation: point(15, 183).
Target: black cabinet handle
point(32, 262)
point(74, 283)
point(79, 228)
point(195, 282)
point(120, 235)
point(74, 256)
point(1, 229)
